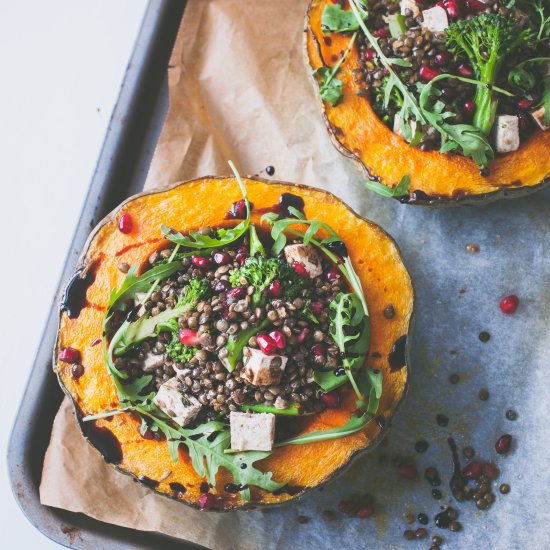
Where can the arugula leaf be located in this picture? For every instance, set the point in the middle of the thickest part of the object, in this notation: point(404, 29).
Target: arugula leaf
point(256, 246)
point(293, 409)
point(400, 190)
point(236, 343)
point(330, 88)
point(353, 425)
point(546, 98)
point(336, 19)
point(222, 237)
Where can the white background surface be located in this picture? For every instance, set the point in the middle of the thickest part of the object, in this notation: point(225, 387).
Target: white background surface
point(62, 65)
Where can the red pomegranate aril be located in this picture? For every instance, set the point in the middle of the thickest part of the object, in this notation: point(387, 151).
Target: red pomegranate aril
point(332, 274)
point(503, 444)
point(509, 304)
point(241, 257)
point(96, 342)
point(202, 262)
point(125, 223)
point(370, 54)
point(238, 210)
point(69, 355)
point(427, 73)
point(147, 434)
point(302, 335)
point(442, 59)
point(222, 286)
point(316, 308)
point(318, 350)
point(382, 33)
point(300, 269)
point(491, 471)
point(472, 470)
point(465, 70)
point(365, 512)
point(206, 501)
point(331, 400)
point(408, 471)
point(475, 6)
point(279, 338)
point(237, 293)
point(266, 344)
point(188, 337)
point(453, 8)
point(469, 108)
point(275, 289)
point(222, 258)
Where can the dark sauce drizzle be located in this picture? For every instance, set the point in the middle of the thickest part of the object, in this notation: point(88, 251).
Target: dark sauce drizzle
point(396, 357)
point(458, 481)
point(104, 441)
point(74, 297)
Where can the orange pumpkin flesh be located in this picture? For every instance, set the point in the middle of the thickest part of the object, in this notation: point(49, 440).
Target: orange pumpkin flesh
point(358, 133)
point(204, 202)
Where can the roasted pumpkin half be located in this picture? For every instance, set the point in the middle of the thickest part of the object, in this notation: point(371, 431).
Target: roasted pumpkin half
point(439, 102)
point(235, 343)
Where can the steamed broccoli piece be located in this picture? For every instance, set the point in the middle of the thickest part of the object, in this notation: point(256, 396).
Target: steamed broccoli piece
point(486, 40)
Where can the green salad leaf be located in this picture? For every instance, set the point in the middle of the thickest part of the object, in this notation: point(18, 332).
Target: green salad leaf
point(336, 19)
point(400, 190)
point(236, 343)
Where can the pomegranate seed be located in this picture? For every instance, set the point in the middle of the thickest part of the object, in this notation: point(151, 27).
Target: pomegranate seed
point(69, 355)
point(475, 6)
point(302, 335)
point(202, 262)
point(469, 108)
point(465, 70)
point(188, 337)
point(237, 293)
point(267, 345)
point(365, 512)
point(427, 73)
point(316, 307)
point(332, 274)
point(221, 286)
point(238, 210)
point(222, 258)
point(96, 342)
point(207, 501)
point(509, 304)
point(300, 269)
point(125, 223)
point(442, 59)
point(279, 338)
point(453, 8)
point(347, 507)
point(226, 313)
point(318, 350)
point(408, 471)
point(448, 93)
point(241, 257)
point(503, 444)
point(331, 400)
point(491, 471)
point(147, 434)
point(275, 289)
point(386, 71)
point(370, 54)
point(472, 470)
point(382, 33)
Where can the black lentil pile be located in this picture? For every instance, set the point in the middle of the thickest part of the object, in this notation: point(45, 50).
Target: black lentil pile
point(428, 56)
point(308, 344)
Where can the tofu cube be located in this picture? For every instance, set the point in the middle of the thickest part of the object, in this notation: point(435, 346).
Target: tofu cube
point(182, 409)
point(435, 19)
point(261, 369)
point(306, 255)
point(538, 117)
point(252, 431)
point(152, 361)
point(409, 5)
point(507, 133)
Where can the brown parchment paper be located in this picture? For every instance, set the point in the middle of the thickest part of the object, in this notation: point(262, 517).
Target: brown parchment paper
point(239, 90)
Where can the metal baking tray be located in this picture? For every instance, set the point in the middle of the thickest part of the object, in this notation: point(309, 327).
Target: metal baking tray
point(121, 170)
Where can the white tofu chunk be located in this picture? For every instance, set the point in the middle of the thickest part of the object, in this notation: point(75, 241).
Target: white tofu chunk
point(152, 361)
point(182, 409)
point(252, 431)
point(538, 117)
point(506, 133)
point(411, 6)
point(306, 255)
point(261, 369)
point(435, 19)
